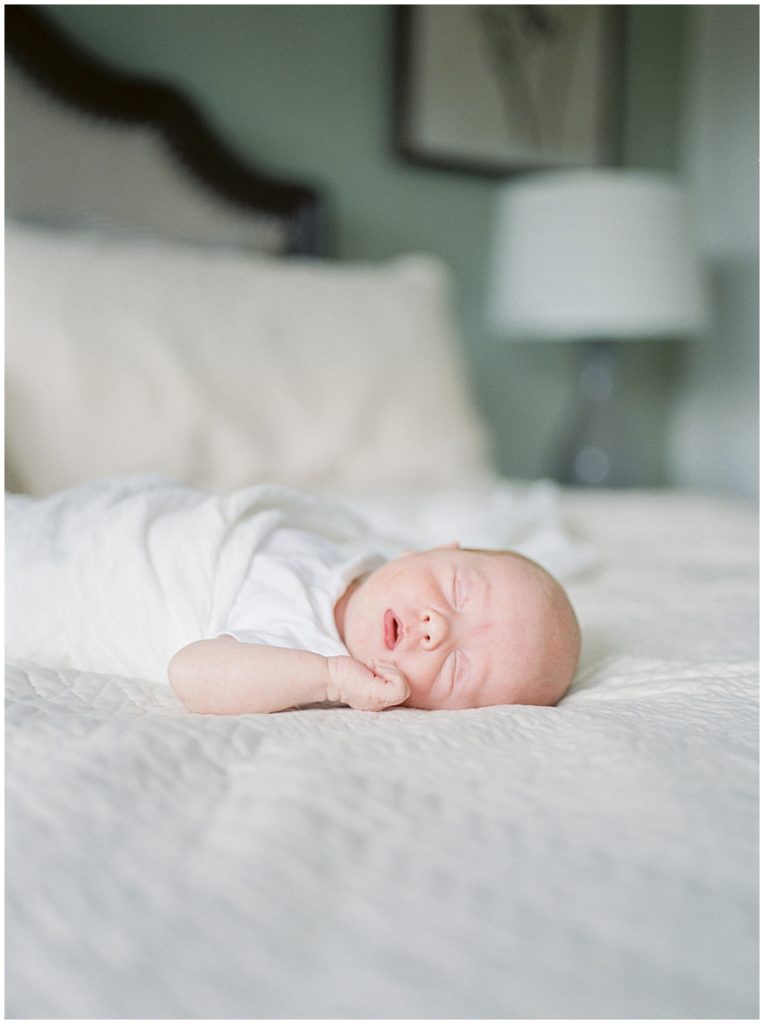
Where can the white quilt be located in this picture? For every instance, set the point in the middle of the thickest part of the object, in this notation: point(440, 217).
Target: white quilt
point(598, 859)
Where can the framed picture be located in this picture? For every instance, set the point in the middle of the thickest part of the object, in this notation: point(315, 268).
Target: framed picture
point(495, 89)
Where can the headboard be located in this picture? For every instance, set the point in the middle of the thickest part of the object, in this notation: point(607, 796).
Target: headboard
point(184, 182)
point(152, 325)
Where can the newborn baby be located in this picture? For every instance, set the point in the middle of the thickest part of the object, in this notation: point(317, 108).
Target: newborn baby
point(445, 628)
point(269, 598)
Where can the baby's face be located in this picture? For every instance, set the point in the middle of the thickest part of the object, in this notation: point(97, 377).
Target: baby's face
point(466, 628)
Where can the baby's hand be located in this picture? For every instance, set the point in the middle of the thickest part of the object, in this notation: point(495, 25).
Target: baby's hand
point(351, 682)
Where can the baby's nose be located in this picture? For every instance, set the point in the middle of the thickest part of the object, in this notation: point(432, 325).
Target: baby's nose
point(434, 629)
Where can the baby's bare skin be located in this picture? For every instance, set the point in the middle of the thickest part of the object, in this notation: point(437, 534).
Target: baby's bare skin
point(446, 628)
point(464, 628)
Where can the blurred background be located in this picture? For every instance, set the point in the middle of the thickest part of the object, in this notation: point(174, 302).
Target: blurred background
point(314, 86)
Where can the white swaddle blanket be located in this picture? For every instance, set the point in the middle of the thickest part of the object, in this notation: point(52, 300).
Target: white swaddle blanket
point(117, 575)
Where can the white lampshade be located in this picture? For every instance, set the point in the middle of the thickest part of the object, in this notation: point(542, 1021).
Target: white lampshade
point(596, 254)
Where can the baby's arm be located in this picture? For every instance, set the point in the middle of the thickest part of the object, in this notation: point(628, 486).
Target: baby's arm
point(226, 677)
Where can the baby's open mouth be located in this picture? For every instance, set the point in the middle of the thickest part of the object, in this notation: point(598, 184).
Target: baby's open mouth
point(393, 630)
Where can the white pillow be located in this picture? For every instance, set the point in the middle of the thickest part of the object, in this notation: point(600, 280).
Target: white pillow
point(222, 369)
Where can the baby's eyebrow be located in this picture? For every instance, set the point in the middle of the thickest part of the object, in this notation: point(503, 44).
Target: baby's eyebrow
point(487, 669)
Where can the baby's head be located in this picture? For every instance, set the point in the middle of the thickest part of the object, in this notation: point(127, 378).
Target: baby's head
point(467, 628)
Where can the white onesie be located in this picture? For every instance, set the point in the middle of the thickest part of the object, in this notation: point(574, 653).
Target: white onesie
point(294, 582)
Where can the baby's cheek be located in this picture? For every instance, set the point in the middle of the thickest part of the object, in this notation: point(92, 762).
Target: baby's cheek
point(421, 687)
point(357, 640)
point(408, 671)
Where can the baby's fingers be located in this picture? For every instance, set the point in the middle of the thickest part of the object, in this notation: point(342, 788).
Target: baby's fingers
point(388, 693)
point(395, 688)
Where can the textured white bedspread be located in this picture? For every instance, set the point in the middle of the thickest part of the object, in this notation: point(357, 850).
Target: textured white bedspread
point(598, 859)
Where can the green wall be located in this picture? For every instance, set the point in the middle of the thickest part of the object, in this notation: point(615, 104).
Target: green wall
point(306, 90)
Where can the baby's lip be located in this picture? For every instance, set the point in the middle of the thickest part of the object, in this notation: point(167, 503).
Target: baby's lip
point(393, 629)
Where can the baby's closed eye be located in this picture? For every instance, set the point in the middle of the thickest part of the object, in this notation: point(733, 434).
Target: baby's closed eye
point(459, 591)
point(461, 668)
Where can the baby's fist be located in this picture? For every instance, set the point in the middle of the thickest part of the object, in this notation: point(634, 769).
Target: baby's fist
point(351, 682)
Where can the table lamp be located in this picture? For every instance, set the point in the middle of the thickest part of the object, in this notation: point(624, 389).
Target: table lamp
point(596, 256)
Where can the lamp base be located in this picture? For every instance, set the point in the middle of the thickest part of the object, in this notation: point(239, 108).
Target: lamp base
point(597, 453)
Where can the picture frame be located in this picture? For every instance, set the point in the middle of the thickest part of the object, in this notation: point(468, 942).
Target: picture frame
point(499, 89)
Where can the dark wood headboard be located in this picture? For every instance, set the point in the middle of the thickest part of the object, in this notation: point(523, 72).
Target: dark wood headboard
point(71, 82)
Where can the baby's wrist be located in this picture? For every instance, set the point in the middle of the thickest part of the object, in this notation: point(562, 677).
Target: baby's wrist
point(332, 685)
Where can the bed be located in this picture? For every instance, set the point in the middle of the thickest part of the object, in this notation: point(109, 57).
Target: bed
point(598, 859)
